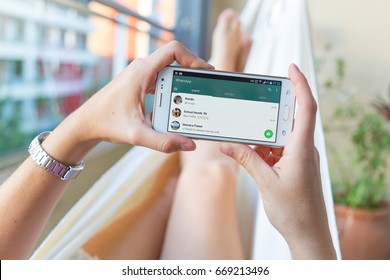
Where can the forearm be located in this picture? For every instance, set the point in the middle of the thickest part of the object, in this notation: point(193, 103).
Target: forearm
point(29, 196)
point(315, 247)
point(314, 253)
point(115, 114)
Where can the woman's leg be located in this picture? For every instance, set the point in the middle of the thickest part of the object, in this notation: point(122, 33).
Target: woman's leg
point(203, 221)
point(230, 47)
point(140, 233)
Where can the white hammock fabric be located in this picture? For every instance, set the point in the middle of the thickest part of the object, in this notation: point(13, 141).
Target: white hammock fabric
point(281, 35)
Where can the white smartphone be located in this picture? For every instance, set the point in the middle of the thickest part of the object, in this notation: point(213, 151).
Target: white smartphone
point(224, 106)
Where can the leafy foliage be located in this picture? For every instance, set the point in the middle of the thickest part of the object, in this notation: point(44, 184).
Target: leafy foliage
point(11, 135)
point(362, 166)
point(370, 149)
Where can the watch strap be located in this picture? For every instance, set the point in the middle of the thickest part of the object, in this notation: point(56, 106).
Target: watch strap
point(44, 160)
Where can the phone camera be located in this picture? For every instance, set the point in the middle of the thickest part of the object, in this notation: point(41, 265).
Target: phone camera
point(162, 79)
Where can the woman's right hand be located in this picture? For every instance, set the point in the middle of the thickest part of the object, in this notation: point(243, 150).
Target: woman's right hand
point(290, 182)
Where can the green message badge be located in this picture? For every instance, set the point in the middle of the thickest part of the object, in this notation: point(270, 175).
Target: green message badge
point(268, 133)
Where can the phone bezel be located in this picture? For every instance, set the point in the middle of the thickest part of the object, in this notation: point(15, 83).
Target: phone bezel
point(161, 108)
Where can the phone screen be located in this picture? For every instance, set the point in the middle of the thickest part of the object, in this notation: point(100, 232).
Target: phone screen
point(224, 106)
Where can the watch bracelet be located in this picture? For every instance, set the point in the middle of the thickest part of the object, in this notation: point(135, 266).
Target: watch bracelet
point(48, 163)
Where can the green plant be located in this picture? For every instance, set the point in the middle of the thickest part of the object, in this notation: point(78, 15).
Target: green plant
point(358, 141)
point(383, 106)
point(11, 135)
point(365, 185)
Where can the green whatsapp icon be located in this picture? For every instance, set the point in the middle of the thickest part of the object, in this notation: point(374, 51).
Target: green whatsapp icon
point(268, 133)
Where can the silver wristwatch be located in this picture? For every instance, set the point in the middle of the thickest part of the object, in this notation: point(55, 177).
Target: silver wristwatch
point(44, 160)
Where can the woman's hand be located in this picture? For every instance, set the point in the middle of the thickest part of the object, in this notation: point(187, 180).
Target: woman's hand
point(116, 113)
point(290, 182)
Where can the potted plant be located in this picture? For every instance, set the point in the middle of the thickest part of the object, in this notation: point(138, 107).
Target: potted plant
point(358, 162)
point(362, 212)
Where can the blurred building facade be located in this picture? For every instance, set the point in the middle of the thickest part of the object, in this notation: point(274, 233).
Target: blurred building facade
point(43, 59)
point(56, 54)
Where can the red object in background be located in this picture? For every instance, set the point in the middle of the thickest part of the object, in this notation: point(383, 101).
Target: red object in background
point(385, 111)
point(71, 103)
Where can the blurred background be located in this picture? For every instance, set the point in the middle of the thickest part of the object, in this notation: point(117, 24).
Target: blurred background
point(55, 54)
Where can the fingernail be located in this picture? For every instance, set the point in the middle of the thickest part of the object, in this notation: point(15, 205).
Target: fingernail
point(227, 149)
point(210, 66)
point(189, 146)
point(295, 67)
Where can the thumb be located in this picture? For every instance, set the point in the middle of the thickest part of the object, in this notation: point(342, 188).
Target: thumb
point(261, 172)
point(166, 143)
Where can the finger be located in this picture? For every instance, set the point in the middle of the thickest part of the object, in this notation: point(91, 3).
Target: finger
point(265, 151)
point(306, 114)
point(261, 172)
point(277, 151)
point(272, 159)
point(175, 51)
point(166, 143)
point(262, 151)
point(270, 155)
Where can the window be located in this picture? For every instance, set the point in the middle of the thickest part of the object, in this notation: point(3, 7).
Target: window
point(11, 29)
point(10, 70)
point(49, 66)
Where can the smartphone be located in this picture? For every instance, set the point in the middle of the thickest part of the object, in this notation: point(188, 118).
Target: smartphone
point(224, 106)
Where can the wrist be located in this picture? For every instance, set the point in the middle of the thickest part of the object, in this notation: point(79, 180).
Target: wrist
point(70, 142)
point(50, 164)
point(313, 246)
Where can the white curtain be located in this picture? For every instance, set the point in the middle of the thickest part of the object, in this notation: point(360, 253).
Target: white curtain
point(281, 36)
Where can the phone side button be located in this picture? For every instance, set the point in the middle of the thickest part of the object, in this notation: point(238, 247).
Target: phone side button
point(286, 112)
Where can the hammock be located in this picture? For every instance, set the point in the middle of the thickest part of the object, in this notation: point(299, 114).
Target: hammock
point(280, 31)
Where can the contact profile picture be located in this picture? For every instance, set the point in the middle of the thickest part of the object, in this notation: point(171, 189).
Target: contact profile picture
point(178, 99)
point(176, 112)
point(175, 125)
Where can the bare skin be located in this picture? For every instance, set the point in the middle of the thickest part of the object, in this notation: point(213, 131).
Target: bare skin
point(289, 179)
point(207, 178)
point(230, 47)
point(290, 182)
point(139, 234)
point(115, 114)
point(203, 222)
